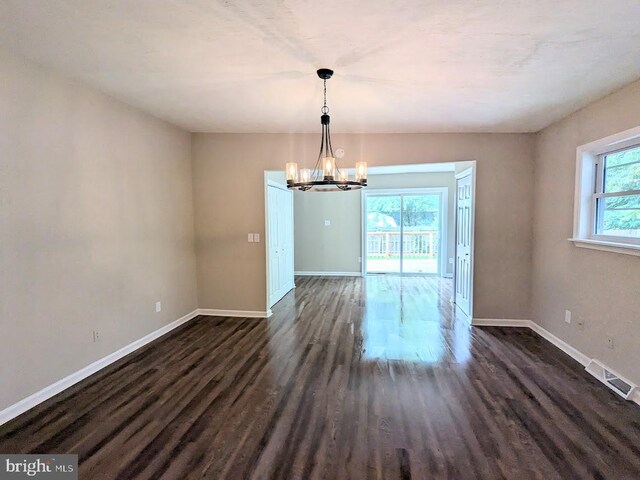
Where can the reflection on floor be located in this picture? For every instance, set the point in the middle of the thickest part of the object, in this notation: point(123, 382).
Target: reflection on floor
point(351, 378)
point(409, 265)
point(413, 319)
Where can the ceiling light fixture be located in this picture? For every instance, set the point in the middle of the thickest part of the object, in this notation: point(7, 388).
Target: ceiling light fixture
point(326, 175)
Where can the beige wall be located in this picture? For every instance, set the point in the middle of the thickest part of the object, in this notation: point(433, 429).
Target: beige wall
point(336, 248)
point(229, 203)
point(96, 225)
point(601, 287)
point(319, 248)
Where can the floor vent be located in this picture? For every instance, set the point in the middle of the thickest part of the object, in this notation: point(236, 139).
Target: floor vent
point(611, 379)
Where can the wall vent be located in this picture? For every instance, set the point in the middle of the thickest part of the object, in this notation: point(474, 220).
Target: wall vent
point(611, 379)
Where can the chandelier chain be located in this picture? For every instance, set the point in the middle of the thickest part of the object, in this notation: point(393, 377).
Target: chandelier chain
point(325, 109)
point(325, 93)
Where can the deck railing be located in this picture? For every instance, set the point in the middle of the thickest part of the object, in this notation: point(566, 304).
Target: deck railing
point(418, 244)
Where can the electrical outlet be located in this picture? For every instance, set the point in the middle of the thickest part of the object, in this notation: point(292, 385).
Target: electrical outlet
point(327, 223)
point(96, 336)
point(250, 238)
point(256, 237)
point(451, 261)
point(610, 342)
point(158, 307)
point(567, 316)
point(359, 259)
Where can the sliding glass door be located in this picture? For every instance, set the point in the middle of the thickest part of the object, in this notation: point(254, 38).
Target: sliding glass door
point(420, 233)
point(403, 231)
point(384, 214)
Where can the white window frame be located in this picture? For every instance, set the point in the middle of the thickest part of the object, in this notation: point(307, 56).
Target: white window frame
point(589, 187)
point(443, 240)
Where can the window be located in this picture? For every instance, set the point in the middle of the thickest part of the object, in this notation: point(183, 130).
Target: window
point(616, 198)
point(607, 201)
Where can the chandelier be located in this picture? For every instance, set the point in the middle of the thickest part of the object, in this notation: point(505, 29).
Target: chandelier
point(326, 175)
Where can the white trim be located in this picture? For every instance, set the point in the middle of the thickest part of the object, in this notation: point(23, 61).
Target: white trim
point(463, 173)
point(443, 167)
point(577, 355)
point(31, 401)
point(273, 183)
point(587, 156)
point(328, 274)
point(404, 191)
point(443, 238)
point(631, 242)
point(624, 248)
point(561, 344)
point(615, 142)
point(500, 322)
point(214, 312)
point(267, 272)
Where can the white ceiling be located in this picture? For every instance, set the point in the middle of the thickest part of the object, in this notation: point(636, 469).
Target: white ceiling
point(401, 66)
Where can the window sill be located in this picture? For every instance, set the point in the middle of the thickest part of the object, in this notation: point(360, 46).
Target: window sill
point(624, 248)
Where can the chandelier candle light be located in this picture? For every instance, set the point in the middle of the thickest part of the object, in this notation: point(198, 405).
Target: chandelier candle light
point(326, 175)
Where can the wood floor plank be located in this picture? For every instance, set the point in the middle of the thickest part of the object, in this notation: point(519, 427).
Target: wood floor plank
point(361, 378)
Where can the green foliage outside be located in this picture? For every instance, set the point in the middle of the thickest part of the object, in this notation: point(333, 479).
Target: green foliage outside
point(420, 212)
point(622, 213)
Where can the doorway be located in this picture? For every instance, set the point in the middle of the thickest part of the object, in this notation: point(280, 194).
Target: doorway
point(404, 231)
point(279, 223)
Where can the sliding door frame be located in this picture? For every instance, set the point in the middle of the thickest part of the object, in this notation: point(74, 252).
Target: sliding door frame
point(443, 192)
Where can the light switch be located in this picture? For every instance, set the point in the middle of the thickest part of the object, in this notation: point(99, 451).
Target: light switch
point(250, 238)
point(327, 223)
point(256, 237)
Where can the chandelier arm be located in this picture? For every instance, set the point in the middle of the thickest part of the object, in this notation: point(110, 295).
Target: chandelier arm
point(315, 174)
point(327, 139)
point(330, 150)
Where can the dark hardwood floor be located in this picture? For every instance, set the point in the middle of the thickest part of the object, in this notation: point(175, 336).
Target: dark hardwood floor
point(351, 378)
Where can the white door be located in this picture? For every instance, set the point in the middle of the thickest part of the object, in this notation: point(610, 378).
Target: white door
point(280, 219)
point(464, 226)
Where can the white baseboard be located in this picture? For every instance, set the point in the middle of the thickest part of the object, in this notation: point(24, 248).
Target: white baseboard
point(500, 322)
point(561, 344)
point(574, 353)
point(328, 274)
point(32, 400)
point(213, 312)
